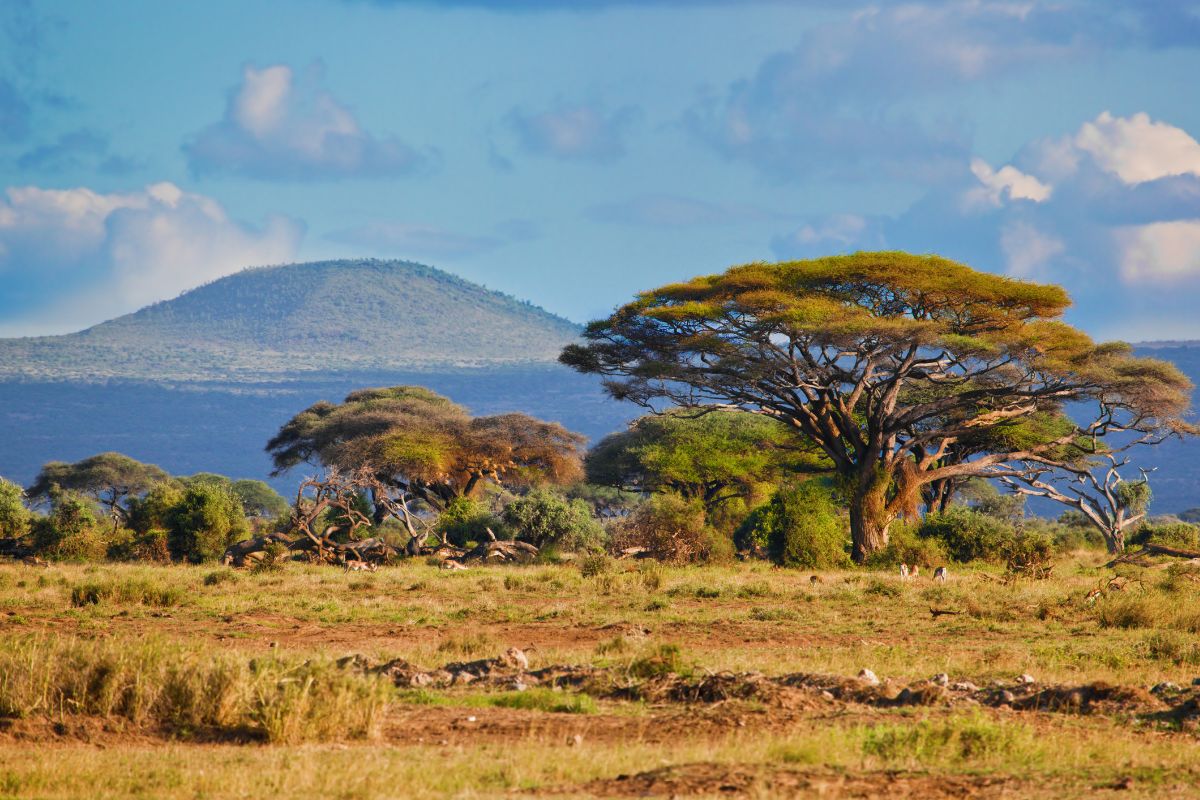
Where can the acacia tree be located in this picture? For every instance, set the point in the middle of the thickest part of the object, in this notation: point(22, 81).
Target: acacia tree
point(421, 446)
point(713, 457)
point(832, 347)
point(111, 478)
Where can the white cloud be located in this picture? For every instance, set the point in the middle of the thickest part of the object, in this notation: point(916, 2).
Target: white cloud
point(1027, 250)
point(106, 254)
point(1006, 183)
point(1160, 251)
point(1138, 149)
point(279, 125)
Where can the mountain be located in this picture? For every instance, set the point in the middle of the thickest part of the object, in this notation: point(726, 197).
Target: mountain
point(327, 317)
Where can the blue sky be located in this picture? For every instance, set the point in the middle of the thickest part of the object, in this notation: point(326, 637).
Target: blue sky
point(573, 153)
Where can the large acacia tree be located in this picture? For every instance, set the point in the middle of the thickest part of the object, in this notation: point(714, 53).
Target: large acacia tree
point(111, 478)
point(885, 360)
point(426, 447)
point(711, 457)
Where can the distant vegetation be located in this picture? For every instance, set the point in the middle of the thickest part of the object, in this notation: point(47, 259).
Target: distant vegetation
point(272, 322)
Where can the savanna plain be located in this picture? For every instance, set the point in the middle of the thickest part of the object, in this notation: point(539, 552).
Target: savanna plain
point(602, 678)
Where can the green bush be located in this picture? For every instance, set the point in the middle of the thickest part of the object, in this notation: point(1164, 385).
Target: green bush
point(466, 520)
point(14, 517)
point(906, 547)
point(1168, 534)
point(546, 518)
point(967, 535)
point(799, 527)
point(207, 519)
point(70, 531)
point(150, 511)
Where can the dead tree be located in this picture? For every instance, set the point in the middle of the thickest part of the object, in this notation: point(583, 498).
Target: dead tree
point(1111, 504)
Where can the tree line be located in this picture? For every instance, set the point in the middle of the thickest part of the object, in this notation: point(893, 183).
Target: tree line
point(862, 407)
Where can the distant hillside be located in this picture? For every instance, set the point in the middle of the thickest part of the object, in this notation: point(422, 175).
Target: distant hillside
point(328, 316)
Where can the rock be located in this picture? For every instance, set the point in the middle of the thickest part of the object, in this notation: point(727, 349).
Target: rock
point(463, 677)
point(518, 685)
point(826, 694)
point(868, 677)
point(964, 686)
point(1025, 678)
point(1166, 687)
point(941, 679)
point(1007, 697)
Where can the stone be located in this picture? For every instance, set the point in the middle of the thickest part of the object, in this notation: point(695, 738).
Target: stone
point(941, 679)
point(1007, 697)
point(964, 686)
point(1025, 678)
point(867, 676)
point(1166, 687)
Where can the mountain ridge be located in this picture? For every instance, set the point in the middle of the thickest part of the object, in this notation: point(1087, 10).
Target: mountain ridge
point(264, 322)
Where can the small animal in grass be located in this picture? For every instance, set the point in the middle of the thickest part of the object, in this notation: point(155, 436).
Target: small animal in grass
point(815, 579)
point(939, 574)
point(360, 566)
point(904, 572)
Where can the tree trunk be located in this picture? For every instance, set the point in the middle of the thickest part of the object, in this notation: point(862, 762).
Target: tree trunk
point(869, 516)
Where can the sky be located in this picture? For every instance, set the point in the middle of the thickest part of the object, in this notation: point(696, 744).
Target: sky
point(575, 152)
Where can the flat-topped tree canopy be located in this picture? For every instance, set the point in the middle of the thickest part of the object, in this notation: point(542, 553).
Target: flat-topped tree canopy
point(885, 360)
point(422, 443)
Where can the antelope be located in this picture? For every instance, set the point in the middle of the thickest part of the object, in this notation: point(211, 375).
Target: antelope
point(359, 566)
point(904, 572)
point(916, 570)
point(939, 574)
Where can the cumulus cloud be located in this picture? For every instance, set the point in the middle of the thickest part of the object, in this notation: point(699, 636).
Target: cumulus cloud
point(278, 125)
point(1137, 149)
point(850, 100)
point(1111, 210)
point(99, 255)
point(574, 131)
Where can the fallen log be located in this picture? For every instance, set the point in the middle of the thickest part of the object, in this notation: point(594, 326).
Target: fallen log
point(237, 552)
point(502, 552)
point(1163, 550)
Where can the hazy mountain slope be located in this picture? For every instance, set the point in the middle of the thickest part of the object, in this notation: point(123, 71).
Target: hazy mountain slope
point(321, 316)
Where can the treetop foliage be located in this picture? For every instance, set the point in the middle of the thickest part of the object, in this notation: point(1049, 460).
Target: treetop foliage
point(713, 457)
point(426, 443)
point(112, 474)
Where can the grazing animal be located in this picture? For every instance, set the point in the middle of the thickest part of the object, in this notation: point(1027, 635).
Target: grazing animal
point(904, 572)
point(814, 579)
point(359, 566)
point(939, 574)
point(916, 570)
point(34, 561)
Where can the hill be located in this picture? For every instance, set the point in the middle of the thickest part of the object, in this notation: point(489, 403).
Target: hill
point(328, 316)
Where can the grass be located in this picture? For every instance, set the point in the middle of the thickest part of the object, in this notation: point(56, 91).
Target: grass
point(198, 654)
point(185, 690)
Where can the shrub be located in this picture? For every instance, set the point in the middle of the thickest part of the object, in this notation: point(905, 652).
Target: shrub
point(14, 517)
point(967, 535)
point(466, 520)
point(905, 547)
point(207, 519)
point(1168, 534)
point(598, 564)
point(799, 527)
point(665, 659)
point(150, 511)
point(669, 528)
point(545, 518)
point(150, 547)
point(70, 531)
